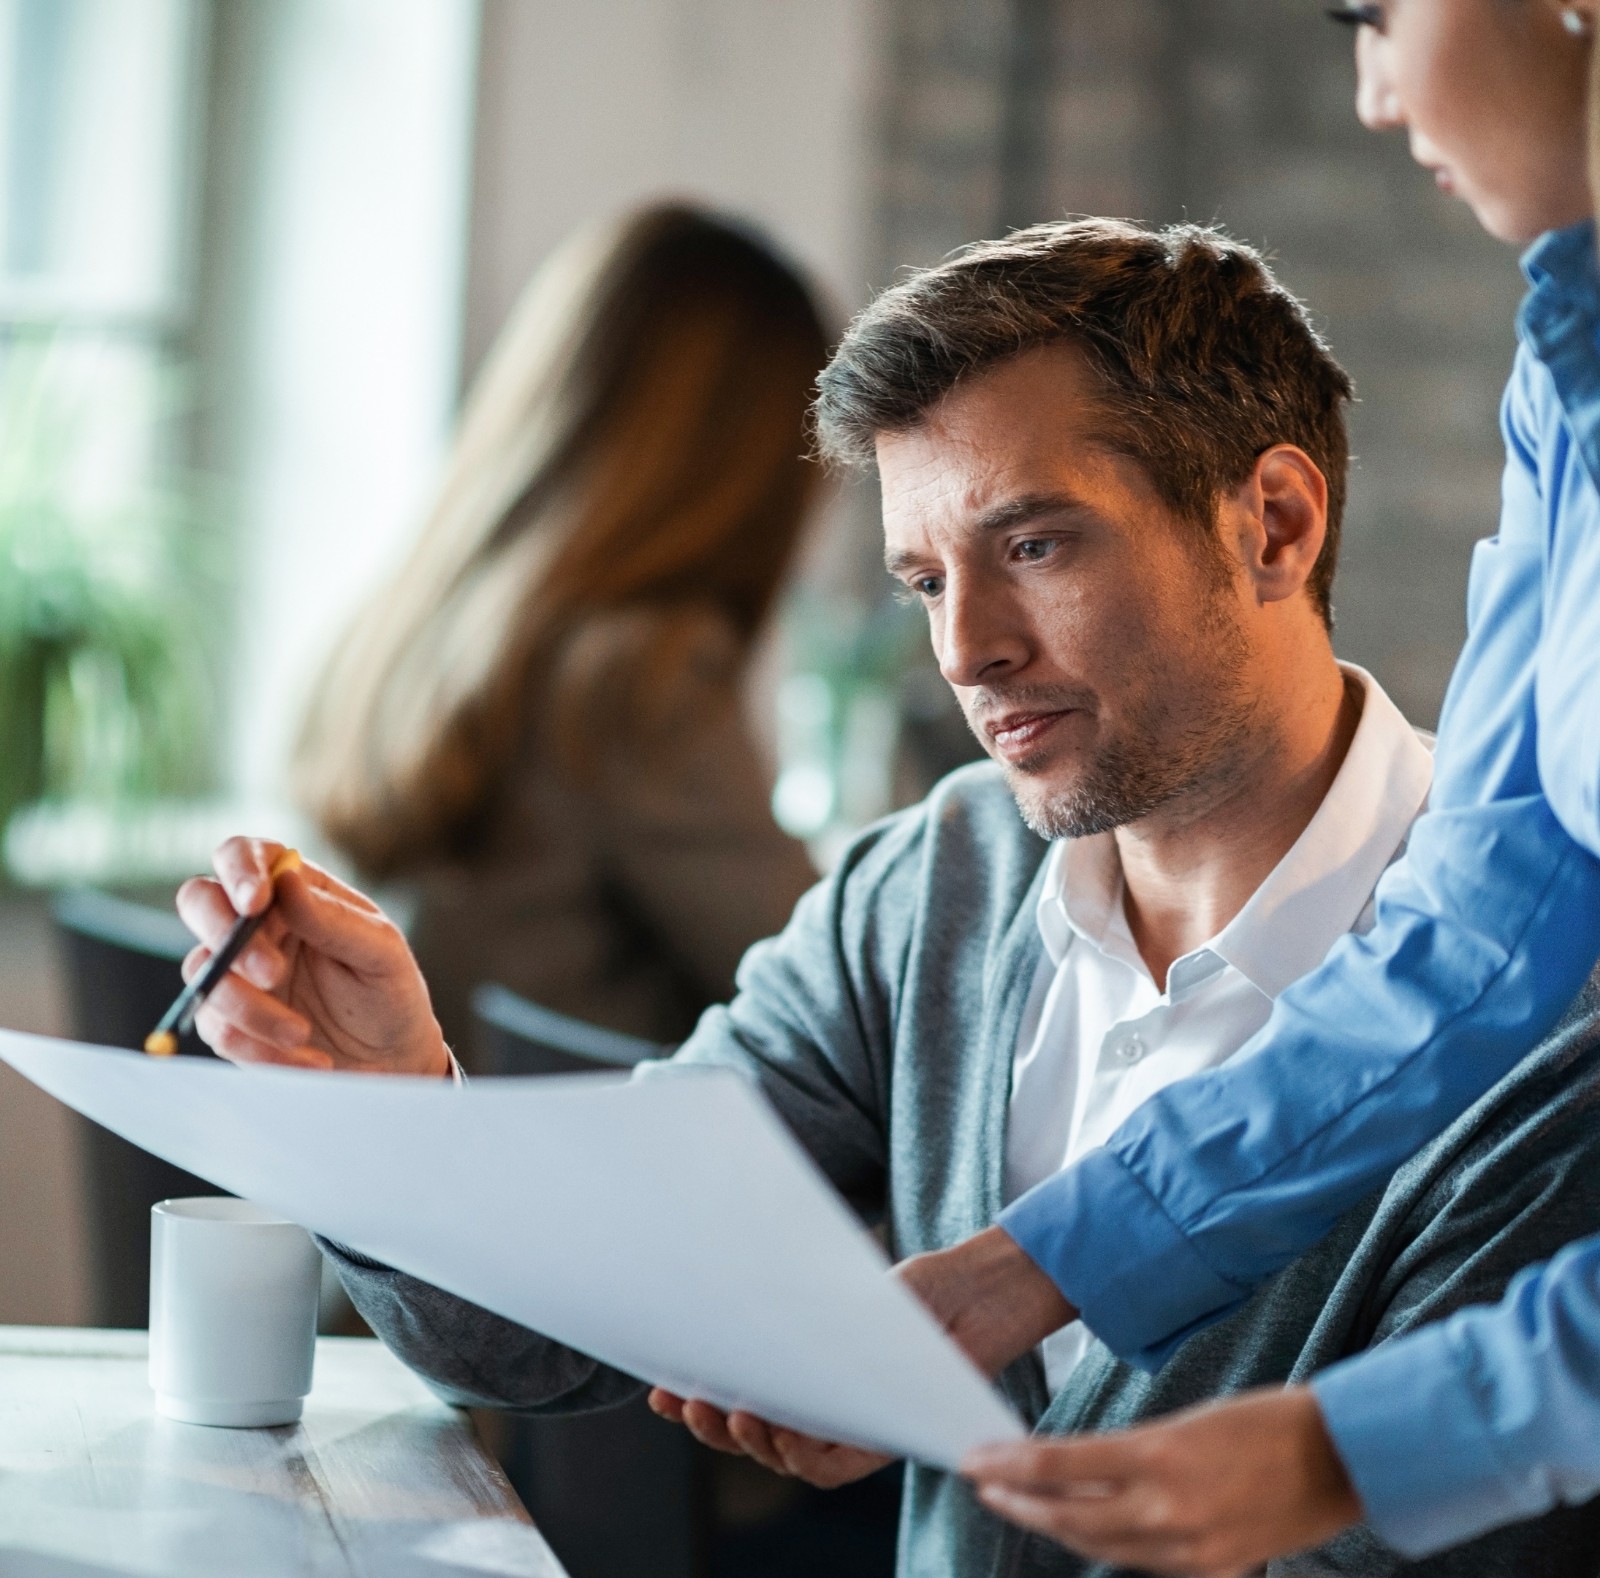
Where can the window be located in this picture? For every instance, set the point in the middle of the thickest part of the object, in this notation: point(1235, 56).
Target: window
point(101, 689)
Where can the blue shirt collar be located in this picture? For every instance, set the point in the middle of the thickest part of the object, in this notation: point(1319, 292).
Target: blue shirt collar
point(1564, 260)
point(1559, 322)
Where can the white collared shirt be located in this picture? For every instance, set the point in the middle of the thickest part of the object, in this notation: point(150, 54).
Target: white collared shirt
point(1099, 1036)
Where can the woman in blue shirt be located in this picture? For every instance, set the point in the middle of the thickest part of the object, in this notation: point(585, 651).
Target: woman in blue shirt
point(1484, 934)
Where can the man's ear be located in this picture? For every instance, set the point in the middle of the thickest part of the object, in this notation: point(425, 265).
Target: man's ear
point(1280, 514)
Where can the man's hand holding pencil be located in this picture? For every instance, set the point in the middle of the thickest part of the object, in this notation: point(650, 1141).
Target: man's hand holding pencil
point(327, 980)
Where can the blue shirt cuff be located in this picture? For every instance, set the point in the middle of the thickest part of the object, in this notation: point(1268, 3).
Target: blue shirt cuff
point(1118, 1259)
point(1405, 1421)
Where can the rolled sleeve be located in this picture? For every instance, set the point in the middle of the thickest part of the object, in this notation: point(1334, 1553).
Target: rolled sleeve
point(1138, 1287)
point(1408, 1429)
point(1489, 1417)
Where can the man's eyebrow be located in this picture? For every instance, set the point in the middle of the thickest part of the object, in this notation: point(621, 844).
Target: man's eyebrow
point(1026, 507)
point(1013, 512)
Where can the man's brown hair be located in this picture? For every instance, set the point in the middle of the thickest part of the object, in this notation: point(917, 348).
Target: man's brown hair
point(1203, 359)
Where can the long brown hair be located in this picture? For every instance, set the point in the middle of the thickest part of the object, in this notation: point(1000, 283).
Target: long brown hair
point(634, 445)
point(1594, 123)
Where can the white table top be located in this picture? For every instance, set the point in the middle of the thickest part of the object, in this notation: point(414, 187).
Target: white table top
point(378, 1479)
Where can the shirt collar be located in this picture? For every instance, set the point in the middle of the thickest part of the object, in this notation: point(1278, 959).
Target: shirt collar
point(1082, 897)
point(1319, 889)
point(1314, 894)
point(1564, 260)
point(1559, 323)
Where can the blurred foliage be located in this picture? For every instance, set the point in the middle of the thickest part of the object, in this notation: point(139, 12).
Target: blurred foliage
point(109, 573)
point(852, 644)
point(839, 714)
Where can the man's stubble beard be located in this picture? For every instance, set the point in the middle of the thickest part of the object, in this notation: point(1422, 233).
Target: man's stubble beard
point(1155, 761)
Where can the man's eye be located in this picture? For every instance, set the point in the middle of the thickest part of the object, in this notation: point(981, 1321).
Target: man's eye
point(1033, 548)
point(921, 589)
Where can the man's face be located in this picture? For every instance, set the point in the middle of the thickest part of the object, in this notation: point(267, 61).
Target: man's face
point(1094, 640)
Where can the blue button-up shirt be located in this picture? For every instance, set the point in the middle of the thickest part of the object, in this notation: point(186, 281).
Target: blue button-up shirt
point(1484, 934)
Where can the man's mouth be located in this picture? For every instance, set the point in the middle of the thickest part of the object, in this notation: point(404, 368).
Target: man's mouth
point(1019, 734)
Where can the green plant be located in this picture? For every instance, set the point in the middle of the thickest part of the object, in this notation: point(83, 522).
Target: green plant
point(105, 578)
point(838, 711)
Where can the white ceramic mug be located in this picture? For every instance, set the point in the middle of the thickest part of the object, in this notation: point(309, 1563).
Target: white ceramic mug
point(233, 1312)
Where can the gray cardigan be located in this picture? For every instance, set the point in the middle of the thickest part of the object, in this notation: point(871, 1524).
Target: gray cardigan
point(881, 1024)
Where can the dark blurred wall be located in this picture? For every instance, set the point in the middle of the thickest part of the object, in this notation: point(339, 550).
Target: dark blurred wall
point(43, 1254)
point(996, 113)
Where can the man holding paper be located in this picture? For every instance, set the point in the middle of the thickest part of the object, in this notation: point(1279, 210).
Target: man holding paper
point(1113, 465)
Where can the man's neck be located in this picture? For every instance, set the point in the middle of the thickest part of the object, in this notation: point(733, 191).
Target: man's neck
point(1189, 869)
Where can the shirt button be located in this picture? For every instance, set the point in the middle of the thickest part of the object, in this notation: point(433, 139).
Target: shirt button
point(1131, 1050)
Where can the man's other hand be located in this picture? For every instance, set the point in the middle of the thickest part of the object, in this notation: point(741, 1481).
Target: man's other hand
point(987, 1295)
point(327, 982)
point(1210, 1493)
point(788, 1452)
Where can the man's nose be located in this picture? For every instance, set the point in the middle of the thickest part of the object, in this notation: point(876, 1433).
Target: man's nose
point(1377, 104)
point(979, 639)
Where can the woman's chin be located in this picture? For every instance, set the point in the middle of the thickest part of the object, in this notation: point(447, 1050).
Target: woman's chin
point(1518, 224)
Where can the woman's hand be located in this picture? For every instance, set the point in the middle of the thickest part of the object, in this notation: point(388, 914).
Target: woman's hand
point(327, 981)
point(1210, 1493)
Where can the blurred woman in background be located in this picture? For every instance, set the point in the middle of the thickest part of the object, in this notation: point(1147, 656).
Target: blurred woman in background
point(537, 723)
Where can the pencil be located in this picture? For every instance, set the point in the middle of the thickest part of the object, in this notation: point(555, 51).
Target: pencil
point(179, 1019)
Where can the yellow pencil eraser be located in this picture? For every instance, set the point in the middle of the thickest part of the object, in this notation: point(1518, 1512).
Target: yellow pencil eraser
point(289, 860)
point(161, 1043)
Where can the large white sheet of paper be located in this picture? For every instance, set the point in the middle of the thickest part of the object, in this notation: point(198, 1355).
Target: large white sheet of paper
point(669, 1225)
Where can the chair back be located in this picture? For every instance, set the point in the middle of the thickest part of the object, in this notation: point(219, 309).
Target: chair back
point(515, 1036)
point(122, 960)
point(121, 965)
